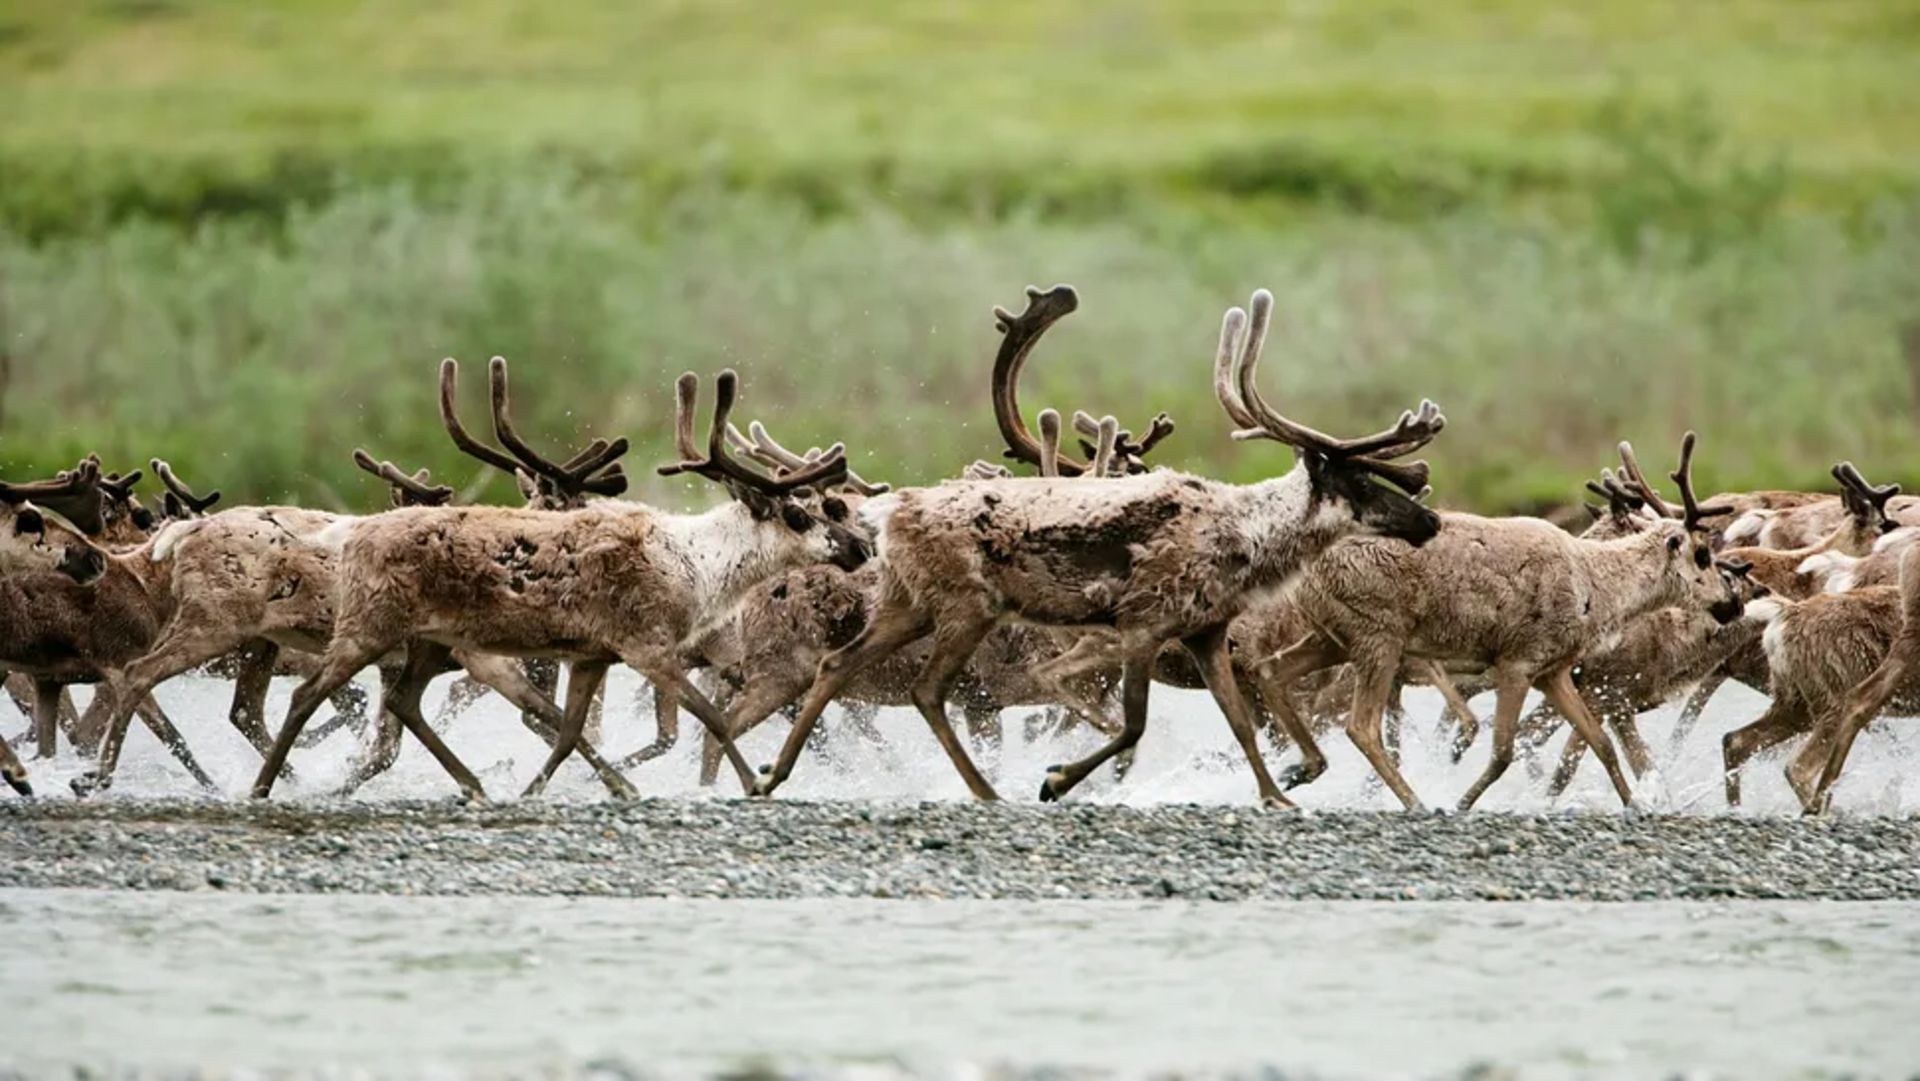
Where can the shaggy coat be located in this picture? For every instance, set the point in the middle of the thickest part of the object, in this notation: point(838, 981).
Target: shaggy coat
point(59, 630)
point(1154, 558)
point(787, 625)
point(1798, 525)
point(610, 582)
point(1518, 597)
point(1837, 660)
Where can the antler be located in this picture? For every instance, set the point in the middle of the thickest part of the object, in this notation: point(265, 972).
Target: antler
point(1872, 497)
point(183, 496)
point(410, 491)
point(572, 477)
point(1692, 512)
point(762, 447)
point(450, 417)
point(1018, 335)
point(118, 485)
point(67, 482)
point(1049, 442)
point(1235, 380)
point(1620, 500)
point(1129, 454)
point(719, 465)
point(1637, 481)
point(592, 471)
point(1102, 442)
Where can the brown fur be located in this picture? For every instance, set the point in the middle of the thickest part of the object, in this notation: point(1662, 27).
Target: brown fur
point(1155, 558)
point(1838, 661)
point(603, 584)
point(61, 631)
point(1518, 597)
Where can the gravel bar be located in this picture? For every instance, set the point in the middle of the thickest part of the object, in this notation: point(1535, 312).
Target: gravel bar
point(786, 849)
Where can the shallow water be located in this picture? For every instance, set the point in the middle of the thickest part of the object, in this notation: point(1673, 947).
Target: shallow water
point(1186, 756)
point(501, 985)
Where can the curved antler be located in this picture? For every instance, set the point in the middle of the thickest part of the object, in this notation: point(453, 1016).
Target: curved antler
point(1621, 501)
point(67, 482)
point(1018, 335)
point(1257, 419)
point(120, 485)
point(762, 447)
point(569, 479)
point(193, 505)
point(719, 465)
point(409, 491)
point(1872, 497)
point(1692, 512)
point(593, 471)
point(450, 417)
point(1637, 479)
point(1130, 455)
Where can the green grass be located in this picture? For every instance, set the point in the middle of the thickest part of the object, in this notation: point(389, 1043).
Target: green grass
point(174, 107)
point(258, 365)
point(241, 236)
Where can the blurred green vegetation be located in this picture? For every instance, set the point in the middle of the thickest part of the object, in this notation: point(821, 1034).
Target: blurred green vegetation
point(241, 236)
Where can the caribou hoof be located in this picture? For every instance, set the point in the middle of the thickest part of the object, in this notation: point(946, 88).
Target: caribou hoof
point(1296, 775)
point(1053, 785)
point(1278, 803)
point(89, 783)
point(762, 786)
point(20, 784)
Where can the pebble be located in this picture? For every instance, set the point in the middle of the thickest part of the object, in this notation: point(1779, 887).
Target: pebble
point(787, 848)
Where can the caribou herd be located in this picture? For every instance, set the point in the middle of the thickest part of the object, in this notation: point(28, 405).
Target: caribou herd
point(1298, 602)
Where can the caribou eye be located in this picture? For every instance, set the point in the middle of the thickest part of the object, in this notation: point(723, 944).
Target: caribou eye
point(797, 519)
point(1673, 544)
point(142, 518)
point(835, 507)
point(28, 520)
point(1702, 558)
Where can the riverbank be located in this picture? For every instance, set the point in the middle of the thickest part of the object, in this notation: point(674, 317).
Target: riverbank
point(792, 849)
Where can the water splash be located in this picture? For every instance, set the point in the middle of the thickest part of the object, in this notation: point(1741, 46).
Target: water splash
point(1187, 756)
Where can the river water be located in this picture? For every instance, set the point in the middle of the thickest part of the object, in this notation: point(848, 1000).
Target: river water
point(1186, 756)
point(502, 985)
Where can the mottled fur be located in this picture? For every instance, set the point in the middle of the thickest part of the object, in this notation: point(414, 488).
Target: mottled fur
point(1517, 596)
point(1154, 558)
point(611, 582)
point(1838, 660)
point(1774, 520)
point(60, 630)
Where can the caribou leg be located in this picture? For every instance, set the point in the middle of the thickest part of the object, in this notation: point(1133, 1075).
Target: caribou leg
point(1510, 693)
point(12, 771)
point(584, 679)
point(1276, 678)
point(425, 660)
point(1136, 679)
point(46, 718)
point(1559, 688)
point(891, 628)
point(343, 661)
point(1784, 719)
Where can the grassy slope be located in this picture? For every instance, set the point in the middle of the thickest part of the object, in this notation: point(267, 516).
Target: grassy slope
point(831, 198)
point(919, 98)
